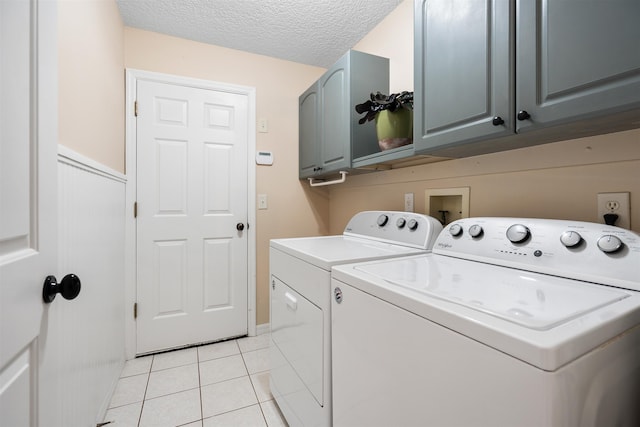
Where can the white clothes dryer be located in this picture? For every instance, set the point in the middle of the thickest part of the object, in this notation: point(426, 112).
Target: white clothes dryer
point(509, 322)
point(300, 268)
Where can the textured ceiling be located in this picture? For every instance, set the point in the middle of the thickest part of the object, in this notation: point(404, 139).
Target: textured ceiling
point(306, 31)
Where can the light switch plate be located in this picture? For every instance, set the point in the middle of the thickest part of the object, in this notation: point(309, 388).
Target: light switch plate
point(263, 125)
point(408, 202)
point(262, 201)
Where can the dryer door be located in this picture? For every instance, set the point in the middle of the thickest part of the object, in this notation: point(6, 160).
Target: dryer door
point(296, 329)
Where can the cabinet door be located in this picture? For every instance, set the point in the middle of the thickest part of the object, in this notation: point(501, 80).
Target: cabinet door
point(335, 140)
point(308, 132)
point(463, 72)
point(576, 59)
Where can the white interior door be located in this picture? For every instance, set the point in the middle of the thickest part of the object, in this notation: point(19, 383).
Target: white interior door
point(192, 201)
point(28, 146)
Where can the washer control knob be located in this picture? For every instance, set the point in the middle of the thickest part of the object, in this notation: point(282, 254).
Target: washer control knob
point(475, 231)
point(518, 233)
point(413, 224)
point(609, 243)
point(570, 239)
point(382, 220)
point(455, 230)
point(401, 222)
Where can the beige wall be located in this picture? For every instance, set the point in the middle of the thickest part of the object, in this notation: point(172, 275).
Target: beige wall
point(91, 80)
point(558, 180)
point(393, 39)
point(293, 209)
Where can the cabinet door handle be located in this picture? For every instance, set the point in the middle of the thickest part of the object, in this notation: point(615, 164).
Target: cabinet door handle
point(497, 121)
point(523, 115)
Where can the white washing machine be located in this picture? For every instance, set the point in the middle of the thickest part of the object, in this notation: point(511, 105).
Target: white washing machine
point(509, 322)
point(300, 374)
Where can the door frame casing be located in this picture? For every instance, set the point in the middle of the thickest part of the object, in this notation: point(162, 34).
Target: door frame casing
point(132, 77)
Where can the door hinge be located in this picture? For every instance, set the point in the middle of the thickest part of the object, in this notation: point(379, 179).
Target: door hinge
point(135, 209)
point(135, 310)
point(135, 108)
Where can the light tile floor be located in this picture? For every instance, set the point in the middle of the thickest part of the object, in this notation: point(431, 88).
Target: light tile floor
point(222, 384)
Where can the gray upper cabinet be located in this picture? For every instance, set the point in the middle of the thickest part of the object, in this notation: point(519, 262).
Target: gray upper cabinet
point(496, 75)
point(576, 59)
point(334, 86)
point(464, 59)
point(328, 122)
point(309, 148)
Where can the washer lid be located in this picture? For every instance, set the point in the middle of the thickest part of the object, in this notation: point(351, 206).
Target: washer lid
point(327, 251)
point(528, 299)
point(543, 320)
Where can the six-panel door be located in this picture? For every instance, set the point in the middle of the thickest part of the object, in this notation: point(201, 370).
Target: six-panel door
point(192, 194)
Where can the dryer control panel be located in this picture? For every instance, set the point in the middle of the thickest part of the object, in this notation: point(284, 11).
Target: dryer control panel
point(585, 251)
point(401, 228)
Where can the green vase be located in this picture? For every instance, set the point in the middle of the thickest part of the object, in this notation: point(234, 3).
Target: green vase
point(394, 129)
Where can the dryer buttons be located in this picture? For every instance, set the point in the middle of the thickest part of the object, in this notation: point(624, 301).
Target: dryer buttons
point(455, 230)
point(475, 231)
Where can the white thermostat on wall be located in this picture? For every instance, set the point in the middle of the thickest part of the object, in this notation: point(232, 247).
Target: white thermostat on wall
point(264, 158)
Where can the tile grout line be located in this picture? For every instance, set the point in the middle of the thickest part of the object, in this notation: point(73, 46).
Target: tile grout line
point(144, 397)
point(264, 417)
point(200, 389)
point(253, 387)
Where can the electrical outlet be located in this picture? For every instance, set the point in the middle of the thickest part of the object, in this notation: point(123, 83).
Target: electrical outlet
point(408, 202)
point(615, 203)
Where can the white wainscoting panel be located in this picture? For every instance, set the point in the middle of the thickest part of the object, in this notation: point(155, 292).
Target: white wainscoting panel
point(82, 346)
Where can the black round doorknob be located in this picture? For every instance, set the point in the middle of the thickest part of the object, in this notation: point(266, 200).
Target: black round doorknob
point(69, 287)
point(523, 115)
point(239, 226)
point(497, 121)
